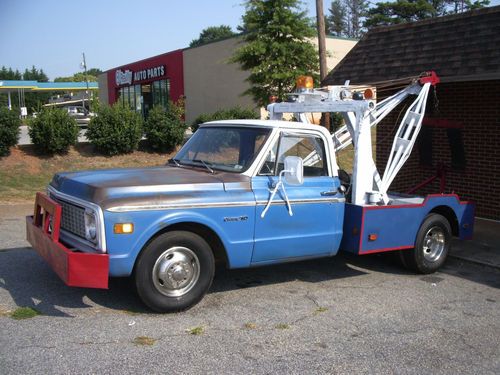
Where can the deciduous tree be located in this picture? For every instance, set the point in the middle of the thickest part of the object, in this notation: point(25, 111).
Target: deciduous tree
point(212, 34)
point(400, 11)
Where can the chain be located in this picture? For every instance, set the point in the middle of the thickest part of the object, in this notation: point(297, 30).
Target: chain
point(436, 101)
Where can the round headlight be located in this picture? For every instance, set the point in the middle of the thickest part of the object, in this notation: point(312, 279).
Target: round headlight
point(90, 225)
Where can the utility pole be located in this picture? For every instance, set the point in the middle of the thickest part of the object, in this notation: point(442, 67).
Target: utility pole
point(84, 66)
point(323, 69)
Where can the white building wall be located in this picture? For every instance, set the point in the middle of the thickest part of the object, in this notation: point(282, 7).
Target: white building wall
point(212, 83)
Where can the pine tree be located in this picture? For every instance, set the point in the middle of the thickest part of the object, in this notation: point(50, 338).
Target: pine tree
point(357, 11)
point(336, 21)
point(276, 49)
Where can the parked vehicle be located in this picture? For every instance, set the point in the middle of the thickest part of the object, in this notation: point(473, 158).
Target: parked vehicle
point(80, 114)
point(247, 193)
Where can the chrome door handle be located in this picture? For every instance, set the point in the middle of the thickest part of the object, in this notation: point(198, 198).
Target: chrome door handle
point(329, 193)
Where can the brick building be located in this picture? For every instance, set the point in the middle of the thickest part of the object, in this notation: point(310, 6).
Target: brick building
point(460, 137)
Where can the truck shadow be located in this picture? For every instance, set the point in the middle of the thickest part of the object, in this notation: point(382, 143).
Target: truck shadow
point(341, 266)
point(31, 283)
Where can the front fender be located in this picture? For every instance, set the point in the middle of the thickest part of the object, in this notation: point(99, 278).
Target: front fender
point(236, 236)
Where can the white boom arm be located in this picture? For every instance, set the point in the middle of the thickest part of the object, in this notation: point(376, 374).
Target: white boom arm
point(360, 116)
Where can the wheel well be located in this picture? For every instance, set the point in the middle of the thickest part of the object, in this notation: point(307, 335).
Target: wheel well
point(204, 232)
point(449, 214)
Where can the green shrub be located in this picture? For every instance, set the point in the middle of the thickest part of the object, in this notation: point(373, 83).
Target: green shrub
point(53, 131)
point(115, 130)
point(164, 129)
point(9, 130)
point(225, 114)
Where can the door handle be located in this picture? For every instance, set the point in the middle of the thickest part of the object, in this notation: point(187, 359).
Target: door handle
point(329, 193)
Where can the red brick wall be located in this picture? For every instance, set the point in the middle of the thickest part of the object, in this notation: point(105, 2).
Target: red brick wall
point(476, 105)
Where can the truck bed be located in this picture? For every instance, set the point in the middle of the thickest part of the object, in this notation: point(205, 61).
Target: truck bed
point(372, 229)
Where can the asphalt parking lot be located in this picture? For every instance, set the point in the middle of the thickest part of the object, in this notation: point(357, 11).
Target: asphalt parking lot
point(344, 314)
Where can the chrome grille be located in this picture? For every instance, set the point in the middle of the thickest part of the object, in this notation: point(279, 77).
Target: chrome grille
point(73, 219)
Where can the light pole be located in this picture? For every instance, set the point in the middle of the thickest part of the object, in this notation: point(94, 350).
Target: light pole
point(323, 69)
point(84, 66)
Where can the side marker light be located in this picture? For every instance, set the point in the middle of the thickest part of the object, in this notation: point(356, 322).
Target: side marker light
point(123, 228)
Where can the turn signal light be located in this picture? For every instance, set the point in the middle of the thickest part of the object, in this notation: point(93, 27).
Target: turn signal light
point(305, 82)
point(368, 94)
point(372, 237)
point(123, 228)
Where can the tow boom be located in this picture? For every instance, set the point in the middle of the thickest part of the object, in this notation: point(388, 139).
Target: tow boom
point(360, 113)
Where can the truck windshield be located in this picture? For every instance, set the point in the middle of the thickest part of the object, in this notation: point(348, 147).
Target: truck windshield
point(229, 149)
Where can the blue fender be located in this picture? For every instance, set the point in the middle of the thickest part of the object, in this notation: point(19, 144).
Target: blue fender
point(124, 249)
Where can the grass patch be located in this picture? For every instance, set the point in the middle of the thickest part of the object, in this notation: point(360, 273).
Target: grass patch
point(250, 325)
point(144, 340)
point(196, 331)
point(23, 172)
point(282, 326)
point(24, 313)
point(320, 310)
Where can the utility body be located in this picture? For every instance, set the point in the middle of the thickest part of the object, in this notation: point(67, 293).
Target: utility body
point(247, 193)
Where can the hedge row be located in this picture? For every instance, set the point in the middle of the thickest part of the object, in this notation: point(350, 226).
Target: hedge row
point(9, 130)
point(114, 130)
point(53, 131)
point(233, 113)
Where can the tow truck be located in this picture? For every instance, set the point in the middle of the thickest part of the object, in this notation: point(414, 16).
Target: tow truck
point(249, 193)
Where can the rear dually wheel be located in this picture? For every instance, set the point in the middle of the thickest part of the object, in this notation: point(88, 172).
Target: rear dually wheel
point(432, 245)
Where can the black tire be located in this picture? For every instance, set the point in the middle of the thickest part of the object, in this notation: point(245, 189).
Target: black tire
point(174, 271)
point(431, 245)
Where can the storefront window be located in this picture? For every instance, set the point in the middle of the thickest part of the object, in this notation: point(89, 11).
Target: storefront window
point(161, 93)
point(131, 97)
point(138, 103)
point(142, 98)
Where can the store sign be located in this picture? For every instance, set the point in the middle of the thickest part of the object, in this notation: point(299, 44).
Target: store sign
point(127, 77)
point(149, 73)
point(123, 77)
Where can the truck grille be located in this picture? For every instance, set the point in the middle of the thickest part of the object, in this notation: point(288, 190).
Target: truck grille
point(73, 219)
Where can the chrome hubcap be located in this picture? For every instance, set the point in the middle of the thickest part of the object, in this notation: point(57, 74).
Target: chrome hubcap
point(434, 244)
point(176, 271)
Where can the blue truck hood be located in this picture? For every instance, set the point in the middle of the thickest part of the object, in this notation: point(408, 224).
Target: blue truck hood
point(113, 188)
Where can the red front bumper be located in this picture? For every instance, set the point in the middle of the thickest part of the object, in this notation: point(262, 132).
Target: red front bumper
point(74, 268)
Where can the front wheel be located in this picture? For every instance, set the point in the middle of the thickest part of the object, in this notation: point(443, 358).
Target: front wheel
point(174, 271)
point(431, 246)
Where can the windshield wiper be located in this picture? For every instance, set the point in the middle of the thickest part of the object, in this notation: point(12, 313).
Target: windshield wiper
point(205, 164)
point(176, 162)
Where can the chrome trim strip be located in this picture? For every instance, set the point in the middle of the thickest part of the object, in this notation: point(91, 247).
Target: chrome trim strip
point(178, 206)
point(305, 201)
point(101, 235)
point(151, 207)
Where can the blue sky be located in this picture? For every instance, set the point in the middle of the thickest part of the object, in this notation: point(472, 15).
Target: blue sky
point(52, 34)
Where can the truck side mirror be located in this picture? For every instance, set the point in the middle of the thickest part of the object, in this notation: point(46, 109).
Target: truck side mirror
point(294, 170)
point(293, 175)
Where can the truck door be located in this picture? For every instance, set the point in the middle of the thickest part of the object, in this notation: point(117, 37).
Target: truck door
point(315, 228)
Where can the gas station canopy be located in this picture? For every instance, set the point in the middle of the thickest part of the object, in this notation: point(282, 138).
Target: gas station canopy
point(12, 86)
point(8, 86)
